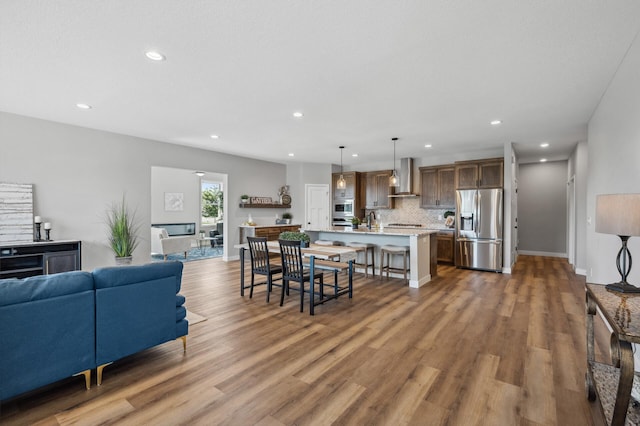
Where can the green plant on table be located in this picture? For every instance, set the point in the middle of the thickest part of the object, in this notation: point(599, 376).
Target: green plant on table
point(295, 236)
point(355, 221)
point(287, 215)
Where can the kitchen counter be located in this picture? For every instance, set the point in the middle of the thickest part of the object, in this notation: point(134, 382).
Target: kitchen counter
point(422, 245)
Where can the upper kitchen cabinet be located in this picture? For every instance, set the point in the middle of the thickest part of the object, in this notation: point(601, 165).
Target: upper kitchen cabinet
point(350, 191)
point(438, 187)
point(479, 174)
point(378, 190)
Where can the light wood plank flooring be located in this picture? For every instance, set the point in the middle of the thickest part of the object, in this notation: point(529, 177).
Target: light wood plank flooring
point(470, 348)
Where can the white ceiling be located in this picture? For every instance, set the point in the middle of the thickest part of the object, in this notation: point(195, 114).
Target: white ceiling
point(361, 71)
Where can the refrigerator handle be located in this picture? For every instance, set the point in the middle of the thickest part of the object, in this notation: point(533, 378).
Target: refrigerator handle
point(476, 221)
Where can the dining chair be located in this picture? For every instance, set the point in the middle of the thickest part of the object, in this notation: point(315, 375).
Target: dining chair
point(293, 270)
point(260, 264)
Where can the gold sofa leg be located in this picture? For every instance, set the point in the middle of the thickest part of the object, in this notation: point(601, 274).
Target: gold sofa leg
point(87, 377)
point(99, 372)
point(184, 343)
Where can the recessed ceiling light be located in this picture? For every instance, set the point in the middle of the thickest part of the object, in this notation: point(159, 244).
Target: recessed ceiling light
point(298, 114)
point(155, 56)
point(83, 106)
point(543, 160)
point(496, 122)
point(354, 155)
point(291, 154)
point(214, 136)
point(428, 145)
point(198, 173)
point(544, 145)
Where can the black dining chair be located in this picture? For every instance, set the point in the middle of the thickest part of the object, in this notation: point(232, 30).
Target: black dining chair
point(293, 270)
point(260, 264)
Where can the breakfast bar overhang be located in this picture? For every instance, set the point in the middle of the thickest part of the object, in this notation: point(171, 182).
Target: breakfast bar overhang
point(422, 247)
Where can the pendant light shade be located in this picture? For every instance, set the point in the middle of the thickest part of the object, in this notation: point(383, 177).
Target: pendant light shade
point(394, 180)
point(341, 184)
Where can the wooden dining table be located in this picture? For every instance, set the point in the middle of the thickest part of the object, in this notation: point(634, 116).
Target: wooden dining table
point(331, 258)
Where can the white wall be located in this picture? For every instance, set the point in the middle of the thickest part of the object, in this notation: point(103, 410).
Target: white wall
point(614, 164)
point(542, 205)
point(77, 173)
point(578, 169)
point(169, 180)
point(306, 173)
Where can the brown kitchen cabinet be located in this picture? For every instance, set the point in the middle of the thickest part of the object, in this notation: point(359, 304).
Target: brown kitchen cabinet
point(378, 190)
point(479, 174)
point(438, 187)
point(272, 233)
point(350, 192)
point(445, 246)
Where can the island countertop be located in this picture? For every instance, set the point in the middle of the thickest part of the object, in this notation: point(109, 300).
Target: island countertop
point(381, 231)
point(422, 245)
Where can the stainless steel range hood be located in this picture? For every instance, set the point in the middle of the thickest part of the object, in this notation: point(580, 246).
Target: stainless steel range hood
point(406, 179)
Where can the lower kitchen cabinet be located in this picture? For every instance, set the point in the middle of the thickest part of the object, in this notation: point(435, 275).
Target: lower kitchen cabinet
point(445, 246)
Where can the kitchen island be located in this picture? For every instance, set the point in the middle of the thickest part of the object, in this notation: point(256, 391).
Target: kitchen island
point(422, 245)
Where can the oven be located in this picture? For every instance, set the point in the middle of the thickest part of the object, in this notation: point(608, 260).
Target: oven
point(341, 221)
point(343, 208)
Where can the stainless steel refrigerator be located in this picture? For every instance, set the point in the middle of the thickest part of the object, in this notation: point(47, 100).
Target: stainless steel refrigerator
point(479, 229)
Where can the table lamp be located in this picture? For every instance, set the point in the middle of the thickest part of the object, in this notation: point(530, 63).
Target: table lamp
point(619, 214)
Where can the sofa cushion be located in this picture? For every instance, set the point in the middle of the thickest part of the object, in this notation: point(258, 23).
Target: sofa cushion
point(45, 339)
point(116, 276)
point(14, 290)
point(135, 308)
point(180, 299)
point(181, 313)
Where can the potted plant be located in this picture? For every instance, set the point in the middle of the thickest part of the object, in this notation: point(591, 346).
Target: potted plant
point(287, 217)
point(296, 236)
point(355, 222)
point(244, 198)
point(123, 230)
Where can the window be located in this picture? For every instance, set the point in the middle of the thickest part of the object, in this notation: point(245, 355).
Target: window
point(211, 202)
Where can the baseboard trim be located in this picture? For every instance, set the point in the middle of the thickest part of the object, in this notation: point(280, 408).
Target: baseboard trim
point(541, 253)
point(580, 271)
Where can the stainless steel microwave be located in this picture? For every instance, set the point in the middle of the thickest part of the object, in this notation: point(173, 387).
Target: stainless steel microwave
point(343, 208)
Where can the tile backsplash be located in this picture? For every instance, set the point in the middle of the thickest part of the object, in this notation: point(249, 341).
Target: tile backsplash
point(408, 210)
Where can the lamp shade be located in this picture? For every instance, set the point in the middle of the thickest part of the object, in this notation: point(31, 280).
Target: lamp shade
point(618, 214)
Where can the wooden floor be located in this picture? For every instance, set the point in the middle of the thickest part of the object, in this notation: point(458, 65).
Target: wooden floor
point(468, 348)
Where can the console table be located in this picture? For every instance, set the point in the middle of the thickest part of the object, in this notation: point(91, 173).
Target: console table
point(21, 260)
point(613, 383)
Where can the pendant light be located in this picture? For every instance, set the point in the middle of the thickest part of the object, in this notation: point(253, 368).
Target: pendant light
point(394, 180)
point(341, 184)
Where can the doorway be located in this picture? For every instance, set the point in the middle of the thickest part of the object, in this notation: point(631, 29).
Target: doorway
point(317, 206)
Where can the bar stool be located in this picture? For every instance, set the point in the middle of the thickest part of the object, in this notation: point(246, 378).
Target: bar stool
point(390, 250)
point(365, 248)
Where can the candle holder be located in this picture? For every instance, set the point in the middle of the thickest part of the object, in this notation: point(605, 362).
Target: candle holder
point(47, 234)
point(38, 234)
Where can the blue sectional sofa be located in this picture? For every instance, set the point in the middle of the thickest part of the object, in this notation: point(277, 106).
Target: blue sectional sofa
point(56, 326)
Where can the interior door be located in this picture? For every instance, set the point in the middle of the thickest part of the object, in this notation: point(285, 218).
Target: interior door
point(317, 206)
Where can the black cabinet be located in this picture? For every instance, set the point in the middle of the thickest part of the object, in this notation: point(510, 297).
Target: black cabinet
point(21, 260)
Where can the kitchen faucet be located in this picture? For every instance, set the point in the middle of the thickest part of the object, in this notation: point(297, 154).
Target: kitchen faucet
point(369, 220)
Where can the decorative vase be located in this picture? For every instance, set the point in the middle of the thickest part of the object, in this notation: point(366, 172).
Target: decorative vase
point(122, 261)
